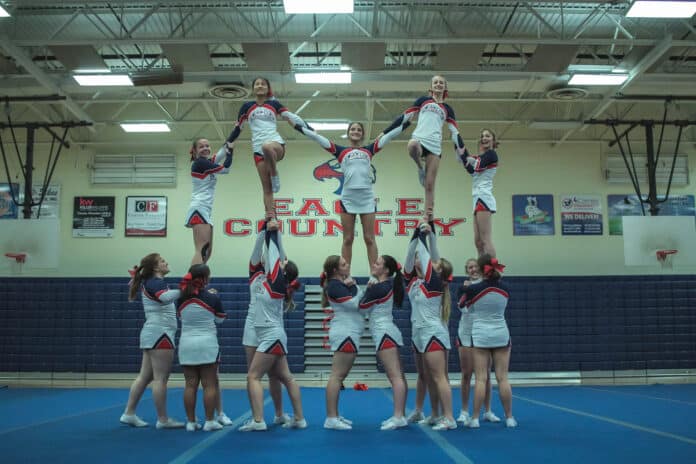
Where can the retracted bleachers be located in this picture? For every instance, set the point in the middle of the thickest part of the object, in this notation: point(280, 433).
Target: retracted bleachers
point(557, 324)
point(88, 325)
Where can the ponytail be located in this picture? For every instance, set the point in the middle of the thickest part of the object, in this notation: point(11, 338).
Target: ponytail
point(331, 264)
point(395, 270)
point(293, 284)
point(141, 273)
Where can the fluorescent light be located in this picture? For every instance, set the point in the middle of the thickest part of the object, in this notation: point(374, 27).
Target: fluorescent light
point(102, 79)
point(590, 68)
point(658, 9)
point(145, 127)
point(598, 79)
point(323, 78)
point(4, 13)
point(328, 126)
point(318, 6)
point(102, 70)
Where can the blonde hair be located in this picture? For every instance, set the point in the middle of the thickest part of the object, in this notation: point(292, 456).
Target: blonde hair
point(445, 274)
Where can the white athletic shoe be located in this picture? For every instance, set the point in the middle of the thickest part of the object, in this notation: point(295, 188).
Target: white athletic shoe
point(224, 420)
point(464, 418)
point(193, 426)
point(252, 426)
point(336, 423)
point(421, 176)
point(445, 424)
point(294, 423)
point(281, 420)
point(510, 422)
point(415, 416)
point(490, 417)
point(394, 423)
point(430, 420)
point(345, 421)
point(474, 423)
point(211, 426)
point(275, 184)
point(133, 420)
point(170, 424)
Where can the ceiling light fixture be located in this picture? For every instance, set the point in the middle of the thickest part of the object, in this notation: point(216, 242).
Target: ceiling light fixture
point(318, 6)
point(102, 79)
point(598, 79)
point(323, 78)
point(661, 9)
point(145, 127)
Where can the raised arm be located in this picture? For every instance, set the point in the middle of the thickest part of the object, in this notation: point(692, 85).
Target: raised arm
point(325, 143)
point(454, 131)
point(274, 274)
point(224, 157)
point(241, 118)
point(408, 115)
point(257, 251)
point(410, 260)
point(432, 242)
point(387, 137)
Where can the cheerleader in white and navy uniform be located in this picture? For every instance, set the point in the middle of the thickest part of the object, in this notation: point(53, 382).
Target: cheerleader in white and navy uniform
point(200, 310)
point(426, 141)
point(271, 352)
point(466, 352)
point(378, 301)
point(156, 339)
point(267, 144)
point(203, 178)
point(428, 290)
point(257, 278)
point(483, 168)
point(357, 195)
point(346, 327)
point(486, 301)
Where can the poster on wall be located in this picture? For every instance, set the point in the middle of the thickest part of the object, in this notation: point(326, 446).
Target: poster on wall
point(630, 205)
point(8, 210)
point(581, 215)
point(146, 216)
point(532, 214)
point(93, 217)
point(51, 201)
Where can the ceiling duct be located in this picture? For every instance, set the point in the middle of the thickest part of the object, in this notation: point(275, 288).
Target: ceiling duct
point(567, 93)
point(232, 91)
point(175, 75)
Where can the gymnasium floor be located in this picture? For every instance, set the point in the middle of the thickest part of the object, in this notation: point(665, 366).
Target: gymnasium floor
point(569, 424)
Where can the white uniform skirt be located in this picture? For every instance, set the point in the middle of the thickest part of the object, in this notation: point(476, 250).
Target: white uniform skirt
point(490, 335)
point(487, 200)
point(249, 337)
point(464, 330)
point(430, 338)
point(197, 350)
point(345, 339)
point(203, 214)
point(157, 337)
point(272, 340)
point(386, 335)
point(358, 201)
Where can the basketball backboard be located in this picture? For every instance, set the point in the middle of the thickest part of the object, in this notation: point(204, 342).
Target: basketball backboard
point(644, 236)
point(39, 239)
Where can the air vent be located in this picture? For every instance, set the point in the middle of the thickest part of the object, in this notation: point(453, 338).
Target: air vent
point(567, 94)
point(229, 91)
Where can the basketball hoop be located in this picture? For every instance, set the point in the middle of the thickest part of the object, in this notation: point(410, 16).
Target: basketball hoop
point(18, 257)
point(665, 258)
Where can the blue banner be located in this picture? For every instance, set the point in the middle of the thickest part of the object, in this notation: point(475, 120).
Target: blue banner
point(532, 214)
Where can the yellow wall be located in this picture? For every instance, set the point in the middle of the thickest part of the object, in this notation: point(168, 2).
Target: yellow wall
point(523, 169)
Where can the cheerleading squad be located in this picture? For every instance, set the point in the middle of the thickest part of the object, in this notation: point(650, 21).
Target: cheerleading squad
point(424, 278)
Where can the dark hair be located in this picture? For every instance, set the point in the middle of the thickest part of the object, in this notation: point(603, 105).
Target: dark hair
point(395, 270)
point(193, 282)
point(269, 94)
point(331, 264)
point(192, 151)
point(144, 271)
point(291, 273)
point(485, 259)
point(445, 275)
point(359, 124)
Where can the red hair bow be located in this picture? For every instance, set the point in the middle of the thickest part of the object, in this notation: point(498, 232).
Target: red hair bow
point(294, 284)
point(398, 266)
point(186, 280)
point(494, 266)
point(450, 278)
point(322, 278)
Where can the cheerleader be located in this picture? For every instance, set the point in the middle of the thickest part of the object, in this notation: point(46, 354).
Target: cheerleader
point(466, 356)
point(200, 310)
point(199, 216)
point(483, 168)
point(257, 279)
point(357, 195)
point(341, 293)
point(490, 336)
point(271, 352)
point(267, 144)
point(378, 301)
point(428, 276)
point(156, 340)
point(425, 145)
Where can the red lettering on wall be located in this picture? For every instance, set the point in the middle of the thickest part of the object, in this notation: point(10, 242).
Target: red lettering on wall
point(333, 228)
point(409, 206)
point(447, 226)
point(237, 227)
point(311, 228)
point(405, 226)
point(282, 206)
point(312, 204)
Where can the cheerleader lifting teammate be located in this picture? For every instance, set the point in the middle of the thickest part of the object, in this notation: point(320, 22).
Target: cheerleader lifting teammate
point(425, 145)
point(357, 195)
point(267, 144)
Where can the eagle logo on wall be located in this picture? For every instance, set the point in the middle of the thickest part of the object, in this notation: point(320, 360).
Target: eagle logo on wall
point(331, 169)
